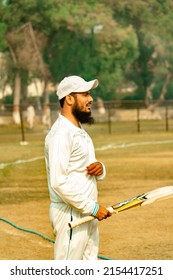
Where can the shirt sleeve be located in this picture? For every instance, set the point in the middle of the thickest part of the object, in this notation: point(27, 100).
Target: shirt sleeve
point(60, 149)
point(103, 175)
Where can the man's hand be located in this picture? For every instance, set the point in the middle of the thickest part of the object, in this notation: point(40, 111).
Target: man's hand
point(95, 169)
point(102, 213)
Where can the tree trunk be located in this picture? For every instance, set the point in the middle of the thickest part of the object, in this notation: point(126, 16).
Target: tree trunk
point(152, 107)
point(46, 93)
point(16, 102)
point(46, 116)
point(38, 103)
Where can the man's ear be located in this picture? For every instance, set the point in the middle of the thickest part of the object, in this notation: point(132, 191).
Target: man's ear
point(69, 99)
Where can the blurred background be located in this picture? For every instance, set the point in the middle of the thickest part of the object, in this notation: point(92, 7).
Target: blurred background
point(127, 45)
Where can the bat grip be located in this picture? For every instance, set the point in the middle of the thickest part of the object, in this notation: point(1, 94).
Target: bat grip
point(86, 219)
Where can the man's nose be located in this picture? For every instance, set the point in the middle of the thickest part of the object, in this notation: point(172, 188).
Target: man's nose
point(90, 98)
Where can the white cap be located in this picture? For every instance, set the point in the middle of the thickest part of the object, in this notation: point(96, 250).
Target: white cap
point(74, 84)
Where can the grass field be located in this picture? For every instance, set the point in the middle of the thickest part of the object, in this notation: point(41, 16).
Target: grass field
point(135, 162)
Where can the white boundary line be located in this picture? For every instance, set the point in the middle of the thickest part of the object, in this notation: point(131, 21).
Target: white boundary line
point(2, 165)
point(103, 148)
point(124, 145)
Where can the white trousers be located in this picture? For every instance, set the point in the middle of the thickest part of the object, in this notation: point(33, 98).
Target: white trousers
point(80, 243)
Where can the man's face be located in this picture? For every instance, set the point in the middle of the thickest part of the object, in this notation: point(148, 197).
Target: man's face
point(82, 107)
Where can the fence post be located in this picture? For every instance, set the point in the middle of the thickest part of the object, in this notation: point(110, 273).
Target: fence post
point(138, 120)
point(22, 124)
point(109, 119)
point(166, 117)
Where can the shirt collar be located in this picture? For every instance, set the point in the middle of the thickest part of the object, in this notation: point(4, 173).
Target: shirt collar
point(71, 125)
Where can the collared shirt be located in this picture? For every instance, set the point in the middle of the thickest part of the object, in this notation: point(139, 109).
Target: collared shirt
point(68, 150)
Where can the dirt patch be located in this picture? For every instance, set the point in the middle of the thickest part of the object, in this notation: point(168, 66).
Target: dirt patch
point(143, 233)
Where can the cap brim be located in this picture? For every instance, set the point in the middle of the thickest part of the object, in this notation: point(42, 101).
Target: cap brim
point(88, 86)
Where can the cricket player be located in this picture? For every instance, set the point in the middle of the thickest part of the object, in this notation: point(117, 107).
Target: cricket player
point(72, 172)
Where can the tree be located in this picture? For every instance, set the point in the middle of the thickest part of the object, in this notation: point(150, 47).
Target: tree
point(25, 48)
point(91, 43)
point(100, 46)
point(152, 21)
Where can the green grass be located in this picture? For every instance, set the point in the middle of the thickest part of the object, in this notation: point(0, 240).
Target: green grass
point(147, 163)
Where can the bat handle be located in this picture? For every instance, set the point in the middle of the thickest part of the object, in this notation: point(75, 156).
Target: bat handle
point(86, 219)
point(110, 209)
point(81, 221)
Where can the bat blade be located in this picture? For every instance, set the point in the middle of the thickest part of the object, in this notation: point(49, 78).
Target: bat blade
point(136, 201)
point(144, 199)
point(159, 194)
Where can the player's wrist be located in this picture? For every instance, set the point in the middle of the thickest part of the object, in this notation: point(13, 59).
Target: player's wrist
point(95, 210)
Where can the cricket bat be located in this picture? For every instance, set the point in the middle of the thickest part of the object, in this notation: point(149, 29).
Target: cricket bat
point(136, 201)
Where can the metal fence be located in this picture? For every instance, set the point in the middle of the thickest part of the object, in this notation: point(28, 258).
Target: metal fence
point(110, 113)
point(136, 111)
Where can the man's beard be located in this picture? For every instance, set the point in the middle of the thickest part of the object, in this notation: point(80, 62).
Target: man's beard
point(83, 117)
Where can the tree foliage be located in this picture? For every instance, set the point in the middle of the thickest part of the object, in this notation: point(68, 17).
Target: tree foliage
point(116, 41)
point(152, 22)
point(82, 38)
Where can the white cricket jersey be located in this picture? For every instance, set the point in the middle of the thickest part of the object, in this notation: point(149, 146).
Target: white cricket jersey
point(68, 151)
